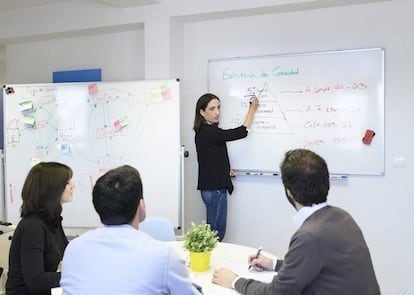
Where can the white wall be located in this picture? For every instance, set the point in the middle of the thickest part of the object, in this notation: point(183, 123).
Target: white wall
point(120, 55)
point(2, 63)
point(177, 40)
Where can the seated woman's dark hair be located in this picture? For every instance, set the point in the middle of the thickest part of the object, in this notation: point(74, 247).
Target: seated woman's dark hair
point(43, 188)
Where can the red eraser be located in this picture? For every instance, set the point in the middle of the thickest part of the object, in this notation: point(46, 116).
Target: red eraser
point(369, 134)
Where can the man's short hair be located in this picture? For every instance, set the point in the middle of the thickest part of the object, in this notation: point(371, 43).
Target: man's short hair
point(116, 195)
point(305, 174)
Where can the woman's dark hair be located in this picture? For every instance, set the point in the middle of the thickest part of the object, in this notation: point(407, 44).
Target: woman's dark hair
point(116, 195)
point(43, 188)
point(305, 174)
point(202, 103)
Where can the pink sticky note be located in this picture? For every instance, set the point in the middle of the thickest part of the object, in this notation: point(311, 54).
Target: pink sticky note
point(117, 125)
point(166, 94)
point(93, 89)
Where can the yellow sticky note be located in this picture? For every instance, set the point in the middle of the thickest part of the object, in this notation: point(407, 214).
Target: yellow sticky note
point(25, 105)
point(35, 161)
point(29, 120)
point(124, 121)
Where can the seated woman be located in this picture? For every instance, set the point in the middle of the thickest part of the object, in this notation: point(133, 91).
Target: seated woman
point(39, 241)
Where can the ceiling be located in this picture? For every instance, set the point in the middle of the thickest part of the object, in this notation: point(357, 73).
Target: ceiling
point(20, 4)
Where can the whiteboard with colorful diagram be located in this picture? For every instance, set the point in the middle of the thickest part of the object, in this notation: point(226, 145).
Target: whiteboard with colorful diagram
point(93, 127)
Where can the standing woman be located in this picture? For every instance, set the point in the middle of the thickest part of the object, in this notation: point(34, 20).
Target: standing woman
point(214, 172)
point(39, 241)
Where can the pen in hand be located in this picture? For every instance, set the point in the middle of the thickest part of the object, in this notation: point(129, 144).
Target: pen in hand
point(257, 255)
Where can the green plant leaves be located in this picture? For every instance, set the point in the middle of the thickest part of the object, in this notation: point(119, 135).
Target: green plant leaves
point(200, 238)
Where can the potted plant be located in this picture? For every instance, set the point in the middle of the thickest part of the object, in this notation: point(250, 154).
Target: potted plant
point(199, 240)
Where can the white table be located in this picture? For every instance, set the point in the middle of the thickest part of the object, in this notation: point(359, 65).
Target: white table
point(225, 254)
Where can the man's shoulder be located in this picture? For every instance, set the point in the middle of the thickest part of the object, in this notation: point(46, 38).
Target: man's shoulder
point(330, 210)
point(122, 236)
point(326, 219)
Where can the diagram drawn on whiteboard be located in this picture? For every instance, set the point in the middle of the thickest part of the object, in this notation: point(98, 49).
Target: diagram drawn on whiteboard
point(97, 128)
point(269, 117)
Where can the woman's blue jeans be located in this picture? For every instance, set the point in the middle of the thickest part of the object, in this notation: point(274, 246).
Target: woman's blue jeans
point(216, 208)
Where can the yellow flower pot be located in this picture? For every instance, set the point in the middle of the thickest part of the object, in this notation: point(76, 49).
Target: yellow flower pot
point(200, 261)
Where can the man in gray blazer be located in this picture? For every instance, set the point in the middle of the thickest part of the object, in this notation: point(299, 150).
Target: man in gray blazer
point(327, 254)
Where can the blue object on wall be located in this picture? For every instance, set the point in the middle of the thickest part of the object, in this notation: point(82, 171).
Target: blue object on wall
point(89, 75)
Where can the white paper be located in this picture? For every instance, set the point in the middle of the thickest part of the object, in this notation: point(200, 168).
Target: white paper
point(242, 270)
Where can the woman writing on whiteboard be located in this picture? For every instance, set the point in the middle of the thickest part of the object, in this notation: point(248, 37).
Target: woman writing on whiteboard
point(39, 241)
point(214, 172)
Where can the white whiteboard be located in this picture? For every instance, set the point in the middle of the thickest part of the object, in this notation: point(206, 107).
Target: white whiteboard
point(93, 127)
point(323, 101)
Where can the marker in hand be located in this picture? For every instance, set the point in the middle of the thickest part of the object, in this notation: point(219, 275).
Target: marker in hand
point(252, 97)
point(257, 255)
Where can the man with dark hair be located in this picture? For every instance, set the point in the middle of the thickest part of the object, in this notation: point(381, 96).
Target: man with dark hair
point(118, 258)
point(327, 254)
